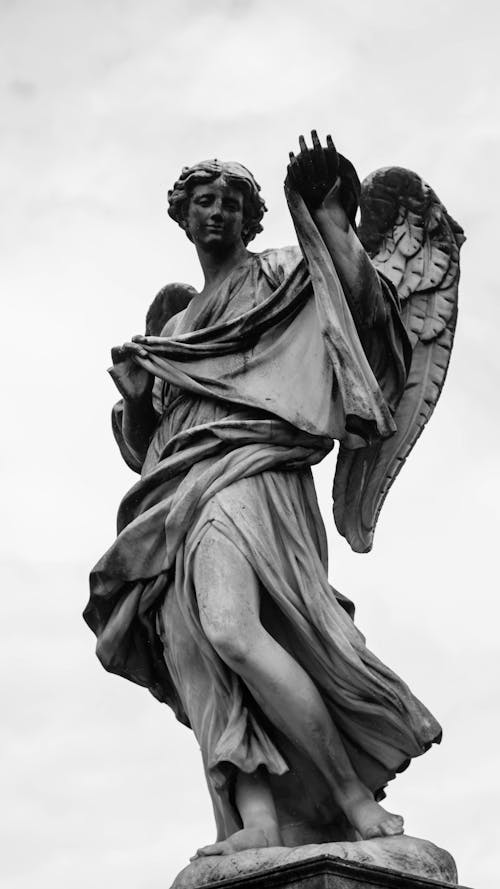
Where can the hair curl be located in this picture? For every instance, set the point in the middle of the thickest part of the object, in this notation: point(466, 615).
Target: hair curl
point(233, 174)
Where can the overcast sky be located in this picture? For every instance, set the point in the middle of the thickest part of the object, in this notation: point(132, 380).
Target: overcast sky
point(103, 102)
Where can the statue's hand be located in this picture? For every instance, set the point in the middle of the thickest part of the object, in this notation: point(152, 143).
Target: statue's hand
point(132, 381)
point(314, 172)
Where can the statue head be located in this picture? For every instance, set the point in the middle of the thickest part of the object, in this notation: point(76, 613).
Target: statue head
point(231, 173)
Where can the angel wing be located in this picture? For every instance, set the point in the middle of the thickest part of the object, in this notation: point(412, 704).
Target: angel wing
point(171, 299)
point(414, 242)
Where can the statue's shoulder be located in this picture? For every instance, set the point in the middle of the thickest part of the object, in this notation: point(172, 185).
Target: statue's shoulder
point(281, 262)
point(172, 325)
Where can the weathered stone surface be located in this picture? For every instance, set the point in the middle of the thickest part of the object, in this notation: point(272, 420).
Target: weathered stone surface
point(401, 855)
point(223, 413)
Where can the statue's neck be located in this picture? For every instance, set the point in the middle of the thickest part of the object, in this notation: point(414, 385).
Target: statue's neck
point(217, 265)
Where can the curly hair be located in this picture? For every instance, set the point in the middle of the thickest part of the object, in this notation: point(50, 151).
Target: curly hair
point(233, 174)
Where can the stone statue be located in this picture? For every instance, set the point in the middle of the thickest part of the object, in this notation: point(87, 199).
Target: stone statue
point(215, 594)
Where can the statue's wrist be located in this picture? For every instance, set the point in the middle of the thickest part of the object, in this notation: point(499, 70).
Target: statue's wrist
point(138, 401)
point(330, 213)
point(324, 212)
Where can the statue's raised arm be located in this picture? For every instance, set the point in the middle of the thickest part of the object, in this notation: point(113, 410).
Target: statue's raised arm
point(329, 185)
point(407, 238)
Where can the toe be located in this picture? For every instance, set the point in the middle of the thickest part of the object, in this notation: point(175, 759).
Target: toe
point(394, 826)
point(207, 850)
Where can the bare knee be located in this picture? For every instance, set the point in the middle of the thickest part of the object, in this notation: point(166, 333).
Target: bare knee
point(227, 592)
point(233, 640)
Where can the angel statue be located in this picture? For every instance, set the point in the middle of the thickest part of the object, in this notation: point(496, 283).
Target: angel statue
point(215, 594)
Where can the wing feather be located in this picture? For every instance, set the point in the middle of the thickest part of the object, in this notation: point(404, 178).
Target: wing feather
point(415, 243)
point(171, 299)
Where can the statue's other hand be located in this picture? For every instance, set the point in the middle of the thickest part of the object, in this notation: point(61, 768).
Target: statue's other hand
point(132, 381)
point(314, 172)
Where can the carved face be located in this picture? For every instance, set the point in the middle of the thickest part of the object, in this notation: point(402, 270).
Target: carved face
point(215, 216)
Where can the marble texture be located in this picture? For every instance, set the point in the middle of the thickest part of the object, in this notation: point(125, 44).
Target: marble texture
point(215, 594)
point(404, 854)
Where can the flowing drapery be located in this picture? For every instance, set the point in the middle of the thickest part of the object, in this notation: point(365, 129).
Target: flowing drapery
point(253, 387)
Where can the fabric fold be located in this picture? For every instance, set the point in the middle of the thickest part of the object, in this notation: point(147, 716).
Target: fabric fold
point(252, 388)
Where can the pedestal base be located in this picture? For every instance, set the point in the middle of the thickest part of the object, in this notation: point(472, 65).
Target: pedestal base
point(384, 863)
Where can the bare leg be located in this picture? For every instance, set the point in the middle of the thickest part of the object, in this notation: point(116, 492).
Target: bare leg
point(258, 814)
point(228, 601)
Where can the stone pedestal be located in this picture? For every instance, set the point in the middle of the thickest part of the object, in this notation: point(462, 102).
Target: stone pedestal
point(384, 863)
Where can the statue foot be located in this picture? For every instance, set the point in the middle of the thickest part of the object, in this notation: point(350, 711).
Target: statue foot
point(248, 838)
point(371, 820)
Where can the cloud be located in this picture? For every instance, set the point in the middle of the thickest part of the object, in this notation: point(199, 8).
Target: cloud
point(104, 104)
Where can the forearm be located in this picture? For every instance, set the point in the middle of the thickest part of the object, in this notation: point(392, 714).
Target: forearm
point(139, 422)
point(355, 270)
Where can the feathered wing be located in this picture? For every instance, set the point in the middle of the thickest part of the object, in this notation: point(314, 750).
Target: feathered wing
point(413, 241)
point(171, 299)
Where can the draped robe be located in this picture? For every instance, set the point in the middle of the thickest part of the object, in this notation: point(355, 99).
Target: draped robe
point(253, 386)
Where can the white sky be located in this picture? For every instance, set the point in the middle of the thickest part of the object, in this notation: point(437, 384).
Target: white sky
point(103, 102)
